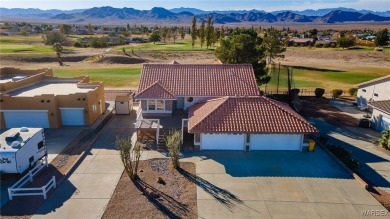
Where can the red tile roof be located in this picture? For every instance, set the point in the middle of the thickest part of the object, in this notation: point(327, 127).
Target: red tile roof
point(383, 105)
point(155, 90)
point(246, 115)
point(199, 80)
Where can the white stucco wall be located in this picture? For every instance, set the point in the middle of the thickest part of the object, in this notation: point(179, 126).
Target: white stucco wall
point(376, 119)
point(382, 89)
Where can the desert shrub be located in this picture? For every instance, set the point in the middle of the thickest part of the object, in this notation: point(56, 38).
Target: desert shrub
point(384, 141)
point(173, 142)
point(319, 92)
point(344, 155)
point(353, 91)
point(326, 45)
point(129, 154)
point(336, 93)
point(318, 45)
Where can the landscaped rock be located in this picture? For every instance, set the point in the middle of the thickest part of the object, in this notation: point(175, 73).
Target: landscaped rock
point(160, 181)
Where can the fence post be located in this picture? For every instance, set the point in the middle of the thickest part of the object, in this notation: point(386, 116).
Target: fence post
point(30, 175)
point(10, 193)
point(44, 192)
point(54, 181)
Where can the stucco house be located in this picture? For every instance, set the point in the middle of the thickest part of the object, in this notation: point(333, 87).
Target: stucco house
point(374, 90)
point(380, 114)
point(222, 106)
point(35, 98)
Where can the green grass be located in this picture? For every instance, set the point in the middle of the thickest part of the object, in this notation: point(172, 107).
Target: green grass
point(160, 46)
point(118, 77)
point(23, 44)
point(328, 79)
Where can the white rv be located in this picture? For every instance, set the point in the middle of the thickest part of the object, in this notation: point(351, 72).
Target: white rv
point(21, 148)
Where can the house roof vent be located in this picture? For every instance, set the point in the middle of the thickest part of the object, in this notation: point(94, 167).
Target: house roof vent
point(15, 145)
point(24, 129)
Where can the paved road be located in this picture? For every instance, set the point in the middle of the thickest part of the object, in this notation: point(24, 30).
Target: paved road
point(277, 184)
point(374, 164)
point(87, 191)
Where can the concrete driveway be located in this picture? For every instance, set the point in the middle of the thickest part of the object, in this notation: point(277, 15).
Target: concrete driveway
point(277, 184)
point(87, 191)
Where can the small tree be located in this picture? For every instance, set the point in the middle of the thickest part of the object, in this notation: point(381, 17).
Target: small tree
point(193, 32)
point(382, 37)
point(130, 155)
point(173, 141)
point(90, 28)
point(154, 37)
point(52, 37)
point(182, 33)
point(319, 92)
point(336, 93)
point(175, 36)
point(385, 139)
point(353, 91)
point(202, 33)
point(57, 47)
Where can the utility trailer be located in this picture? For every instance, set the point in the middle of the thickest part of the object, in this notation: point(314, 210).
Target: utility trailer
point(21, 148)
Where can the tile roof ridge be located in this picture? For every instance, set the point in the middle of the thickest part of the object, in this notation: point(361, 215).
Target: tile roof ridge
point(159, 84)
point(294, 115)
point(373, 80)
point(212, 111)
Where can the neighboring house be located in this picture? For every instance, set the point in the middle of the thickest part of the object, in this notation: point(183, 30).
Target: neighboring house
point(380, 114)
point(300, 42)
point(374, 90)
point(165, 87)
point(34, 98)
point(247, 123)
point(225, 109)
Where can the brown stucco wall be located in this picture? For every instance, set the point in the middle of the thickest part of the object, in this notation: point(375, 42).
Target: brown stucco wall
point(34, 76)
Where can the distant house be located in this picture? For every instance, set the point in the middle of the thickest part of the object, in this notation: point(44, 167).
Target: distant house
point(324, 43)
point(374, 90)
point(380, 114)
point(222, 107)
point(300, 42)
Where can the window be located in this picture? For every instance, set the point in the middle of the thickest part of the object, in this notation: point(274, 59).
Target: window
point(248, 138)
point(151, 105)
point(94, 108)
point(160, 104)
point(375, 94)
point(364, 90)
point(40, 145)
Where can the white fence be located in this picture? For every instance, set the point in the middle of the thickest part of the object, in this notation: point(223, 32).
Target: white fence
point(17, 190)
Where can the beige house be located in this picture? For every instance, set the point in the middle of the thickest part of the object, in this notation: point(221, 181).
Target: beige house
point(374, 90)
point(34, 98)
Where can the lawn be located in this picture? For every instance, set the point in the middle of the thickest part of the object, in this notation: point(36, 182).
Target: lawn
point(311, 78)
point(23, 44)
point(113, 77)
point(185, 45)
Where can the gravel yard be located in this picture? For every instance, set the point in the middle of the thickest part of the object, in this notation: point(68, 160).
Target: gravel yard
point(174, 196)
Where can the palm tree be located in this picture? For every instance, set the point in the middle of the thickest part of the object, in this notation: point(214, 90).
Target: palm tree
point(57, 47)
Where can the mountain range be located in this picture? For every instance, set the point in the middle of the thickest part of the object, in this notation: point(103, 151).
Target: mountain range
point(184, 15)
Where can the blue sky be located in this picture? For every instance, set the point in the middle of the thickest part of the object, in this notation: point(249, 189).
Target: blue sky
point(267, 5)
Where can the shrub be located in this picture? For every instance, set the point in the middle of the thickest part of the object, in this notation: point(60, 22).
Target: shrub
point(319, 92)
point(130, 155)
point(173, 141)
point(385, 139)
point(336, 93)
point(344, 156)
point(353, 91)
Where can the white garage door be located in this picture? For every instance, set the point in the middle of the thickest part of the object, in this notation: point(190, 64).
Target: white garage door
point(222, 142)
point(26, 118)
point(385, 124)
point(72, 116)
point(275, 142)
point(122, 107)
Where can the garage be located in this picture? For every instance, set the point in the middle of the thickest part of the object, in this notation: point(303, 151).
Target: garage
point(385, 124)
point(123, 105)
point(222, 141)
point(72, 116)
point(275, 142)
point(26, 118)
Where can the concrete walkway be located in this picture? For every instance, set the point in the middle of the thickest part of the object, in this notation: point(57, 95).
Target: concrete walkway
point(374, 164)
point(348, 108)
point(87, 191)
